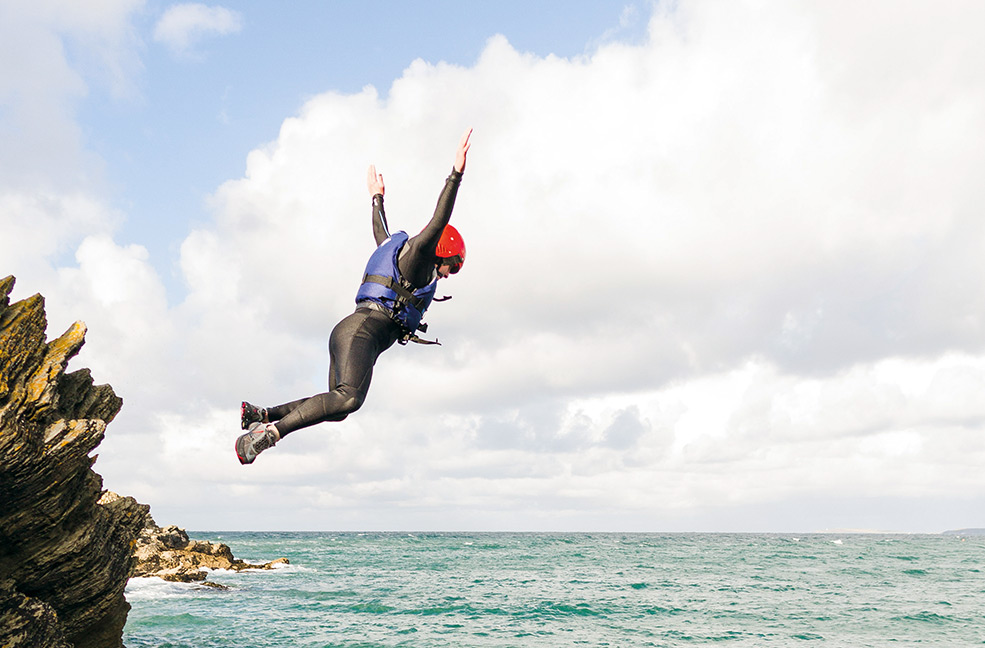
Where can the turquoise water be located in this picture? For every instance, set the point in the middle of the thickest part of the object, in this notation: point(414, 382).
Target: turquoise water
point(625, 590)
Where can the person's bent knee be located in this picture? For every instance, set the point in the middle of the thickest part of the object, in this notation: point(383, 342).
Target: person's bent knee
point(350, 401)
point(351, 404)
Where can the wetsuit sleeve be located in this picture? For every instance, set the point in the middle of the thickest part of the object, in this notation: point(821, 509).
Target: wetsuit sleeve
point(417, 263)
point(381, 231)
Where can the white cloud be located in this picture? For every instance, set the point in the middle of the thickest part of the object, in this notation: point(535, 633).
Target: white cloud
point(37, 226)
point(690, 265)
point(737, 265)
point(50, 185)
point(50, 55)
point(182, 25)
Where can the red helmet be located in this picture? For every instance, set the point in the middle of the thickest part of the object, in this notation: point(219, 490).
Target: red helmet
point(451, 249)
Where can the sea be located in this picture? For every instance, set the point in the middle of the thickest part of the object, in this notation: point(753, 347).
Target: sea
point(432, 590)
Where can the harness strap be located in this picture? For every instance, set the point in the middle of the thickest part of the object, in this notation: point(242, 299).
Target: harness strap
point(404, 295)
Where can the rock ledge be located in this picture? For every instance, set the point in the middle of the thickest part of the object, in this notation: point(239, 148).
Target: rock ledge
point(168, 553)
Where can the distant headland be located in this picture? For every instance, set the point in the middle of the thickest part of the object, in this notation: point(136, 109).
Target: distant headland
point(965, 532)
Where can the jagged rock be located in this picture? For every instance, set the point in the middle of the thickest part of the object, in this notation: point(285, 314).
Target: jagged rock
point(168, 553)
point(27, 622)
point(64, 559)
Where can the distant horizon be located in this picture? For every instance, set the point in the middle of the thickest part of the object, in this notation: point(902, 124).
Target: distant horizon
point(967, 531)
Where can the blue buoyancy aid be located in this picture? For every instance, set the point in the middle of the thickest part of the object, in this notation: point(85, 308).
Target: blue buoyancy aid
point(383, 284)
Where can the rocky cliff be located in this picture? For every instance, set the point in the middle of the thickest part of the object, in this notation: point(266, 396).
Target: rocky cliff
point(64, 559)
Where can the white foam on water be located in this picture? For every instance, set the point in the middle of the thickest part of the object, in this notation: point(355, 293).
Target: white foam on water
point(152, 588)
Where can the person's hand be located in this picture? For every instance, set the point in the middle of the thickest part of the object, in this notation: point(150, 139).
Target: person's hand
point(374, 181)
point(463, 149)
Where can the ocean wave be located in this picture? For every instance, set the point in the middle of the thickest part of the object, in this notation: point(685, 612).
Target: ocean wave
point(931, 618)
point(152, 588)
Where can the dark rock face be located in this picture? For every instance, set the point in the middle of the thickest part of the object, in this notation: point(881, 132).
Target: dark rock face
point(64, 559)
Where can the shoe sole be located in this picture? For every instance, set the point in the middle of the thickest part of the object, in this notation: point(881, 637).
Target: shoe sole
point(242, 416)
point(244, 421)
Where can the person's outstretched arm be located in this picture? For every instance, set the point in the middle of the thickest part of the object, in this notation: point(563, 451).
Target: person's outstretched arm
point(417, 264)
point(374, 181)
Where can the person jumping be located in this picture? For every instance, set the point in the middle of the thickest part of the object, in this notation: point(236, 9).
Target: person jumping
point(398, 286)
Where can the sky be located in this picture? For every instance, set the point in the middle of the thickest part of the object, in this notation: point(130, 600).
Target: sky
point(726, 260)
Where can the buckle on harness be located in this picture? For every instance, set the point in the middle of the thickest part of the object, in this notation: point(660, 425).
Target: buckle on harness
point(413, 337)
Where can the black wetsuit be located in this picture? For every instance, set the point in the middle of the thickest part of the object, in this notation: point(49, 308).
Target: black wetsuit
point(359, 339)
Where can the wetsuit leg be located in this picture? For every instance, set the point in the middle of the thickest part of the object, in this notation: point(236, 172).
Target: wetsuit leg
point(356, 342)
point(280, 411)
